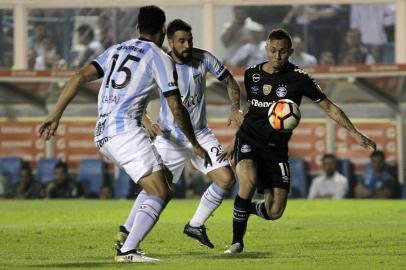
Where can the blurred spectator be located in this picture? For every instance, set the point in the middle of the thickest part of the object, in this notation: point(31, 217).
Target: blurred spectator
point(378, 183)
point(254, 51)
point(39, 31)
point(46, 57)
point(3, 186)
point(106, 192)
point(106, 35)
point(299, 57)
point(353, 51)
point(371, 20)
point(327, 59)
point(89, 47)
point(27, 187)
point(314, 23)
point(61, 186)
point(236, 32)
point(331, 184)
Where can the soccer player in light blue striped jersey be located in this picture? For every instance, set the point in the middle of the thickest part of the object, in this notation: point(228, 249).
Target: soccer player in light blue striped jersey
point(192, 65)
point(131, 71)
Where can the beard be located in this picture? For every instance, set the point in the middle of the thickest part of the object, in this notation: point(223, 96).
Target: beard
point(182, 56)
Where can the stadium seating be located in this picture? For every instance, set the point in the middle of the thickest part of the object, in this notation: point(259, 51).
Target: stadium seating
point(91, 176)
point(346, 168)
point(10, 168)
point(122, 185)
point(45, 169)
point(299, 181)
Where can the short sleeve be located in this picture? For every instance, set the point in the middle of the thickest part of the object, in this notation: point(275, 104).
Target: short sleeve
point(215, 66)
point(102, 61)
point(311, 89)
point(164, 73)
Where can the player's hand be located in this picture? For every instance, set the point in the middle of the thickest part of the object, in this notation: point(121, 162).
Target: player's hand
point(236, 116)
point(227, 154)
point(152, 129)
point(48, 128)
point(203, 154)
point(365, 141)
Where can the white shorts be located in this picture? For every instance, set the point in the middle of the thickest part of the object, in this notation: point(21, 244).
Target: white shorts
point(134, 152)
point(176, 155)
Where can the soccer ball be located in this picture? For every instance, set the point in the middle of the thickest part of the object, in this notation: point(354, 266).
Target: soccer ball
point(284, 115)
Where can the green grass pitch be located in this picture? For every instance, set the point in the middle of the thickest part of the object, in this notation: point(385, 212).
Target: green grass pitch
point(319, 234)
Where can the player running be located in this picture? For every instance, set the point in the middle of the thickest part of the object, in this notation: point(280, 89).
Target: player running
point(131, 71)
point(192, 64)
point(261, 153)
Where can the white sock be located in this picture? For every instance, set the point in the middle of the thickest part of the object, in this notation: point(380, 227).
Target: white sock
point(145, 218)
point(209, 202)
point(138, 201)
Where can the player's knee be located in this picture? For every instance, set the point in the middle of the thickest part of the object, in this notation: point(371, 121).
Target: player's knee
point(226, 182)
point(275, 213)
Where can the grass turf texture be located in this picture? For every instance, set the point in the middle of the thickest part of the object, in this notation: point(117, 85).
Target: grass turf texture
point(319, 234)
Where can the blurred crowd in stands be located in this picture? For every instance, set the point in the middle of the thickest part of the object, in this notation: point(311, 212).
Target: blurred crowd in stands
point(327, 34)
point(336, 181)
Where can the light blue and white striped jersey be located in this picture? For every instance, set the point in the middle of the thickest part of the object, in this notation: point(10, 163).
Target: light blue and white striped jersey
point(192, 85)
point(131, 71)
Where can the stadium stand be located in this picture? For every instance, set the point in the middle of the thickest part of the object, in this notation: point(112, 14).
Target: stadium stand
point(346, 168)
point(91, 176)
point(10, 167)
point(299, 185)
point(122, 185)
point(45, 168)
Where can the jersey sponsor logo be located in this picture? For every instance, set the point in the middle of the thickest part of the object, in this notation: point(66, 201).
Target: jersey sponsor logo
point(254, 90)
point(102, 141)
point(266, 89)
point(281, 91)
point(256, 77)
point(245, 148)
point(191, 101)
point(111, 99)
point(100, 128)
point(263, 104)
point(132, 48)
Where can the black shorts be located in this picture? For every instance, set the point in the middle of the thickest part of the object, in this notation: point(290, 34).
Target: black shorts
point(272, 170)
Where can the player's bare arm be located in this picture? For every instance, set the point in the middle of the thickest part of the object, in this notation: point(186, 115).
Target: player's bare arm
point(233, 89)
point(228, 152)
point(150, 125)
point(49, 126)
point(182, 118)
point(335, 113)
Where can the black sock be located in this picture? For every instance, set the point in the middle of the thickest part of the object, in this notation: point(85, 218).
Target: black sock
point(258, 208)
point(241, 214)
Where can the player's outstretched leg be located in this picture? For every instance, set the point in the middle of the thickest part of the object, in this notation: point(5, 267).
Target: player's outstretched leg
point(145, 218)
point(124, 229)
point(246, 172)
point(210, 201)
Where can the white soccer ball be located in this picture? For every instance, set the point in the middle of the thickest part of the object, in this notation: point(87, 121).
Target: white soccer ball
point(284, 115)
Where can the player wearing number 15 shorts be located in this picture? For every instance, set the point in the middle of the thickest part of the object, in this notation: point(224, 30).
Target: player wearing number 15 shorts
point(131, 71)
point(192, 64)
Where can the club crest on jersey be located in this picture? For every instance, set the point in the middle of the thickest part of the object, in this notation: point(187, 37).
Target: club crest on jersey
point(245, 148)
point(256, 77)
point(281, 91)
point(266, 89)
point(254, 90)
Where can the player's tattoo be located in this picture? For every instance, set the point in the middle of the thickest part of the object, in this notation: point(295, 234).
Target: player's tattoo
point(233, 91)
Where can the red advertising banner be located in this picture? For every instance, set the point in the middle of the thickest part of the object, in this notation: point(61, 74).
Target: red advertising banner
point(309, 142)
point(20, 138)
point(74, 141)
point(383, 133)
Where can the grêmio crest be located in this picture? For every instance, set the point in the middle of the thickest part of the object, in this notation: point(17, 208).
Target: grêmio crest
point(266, 89)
